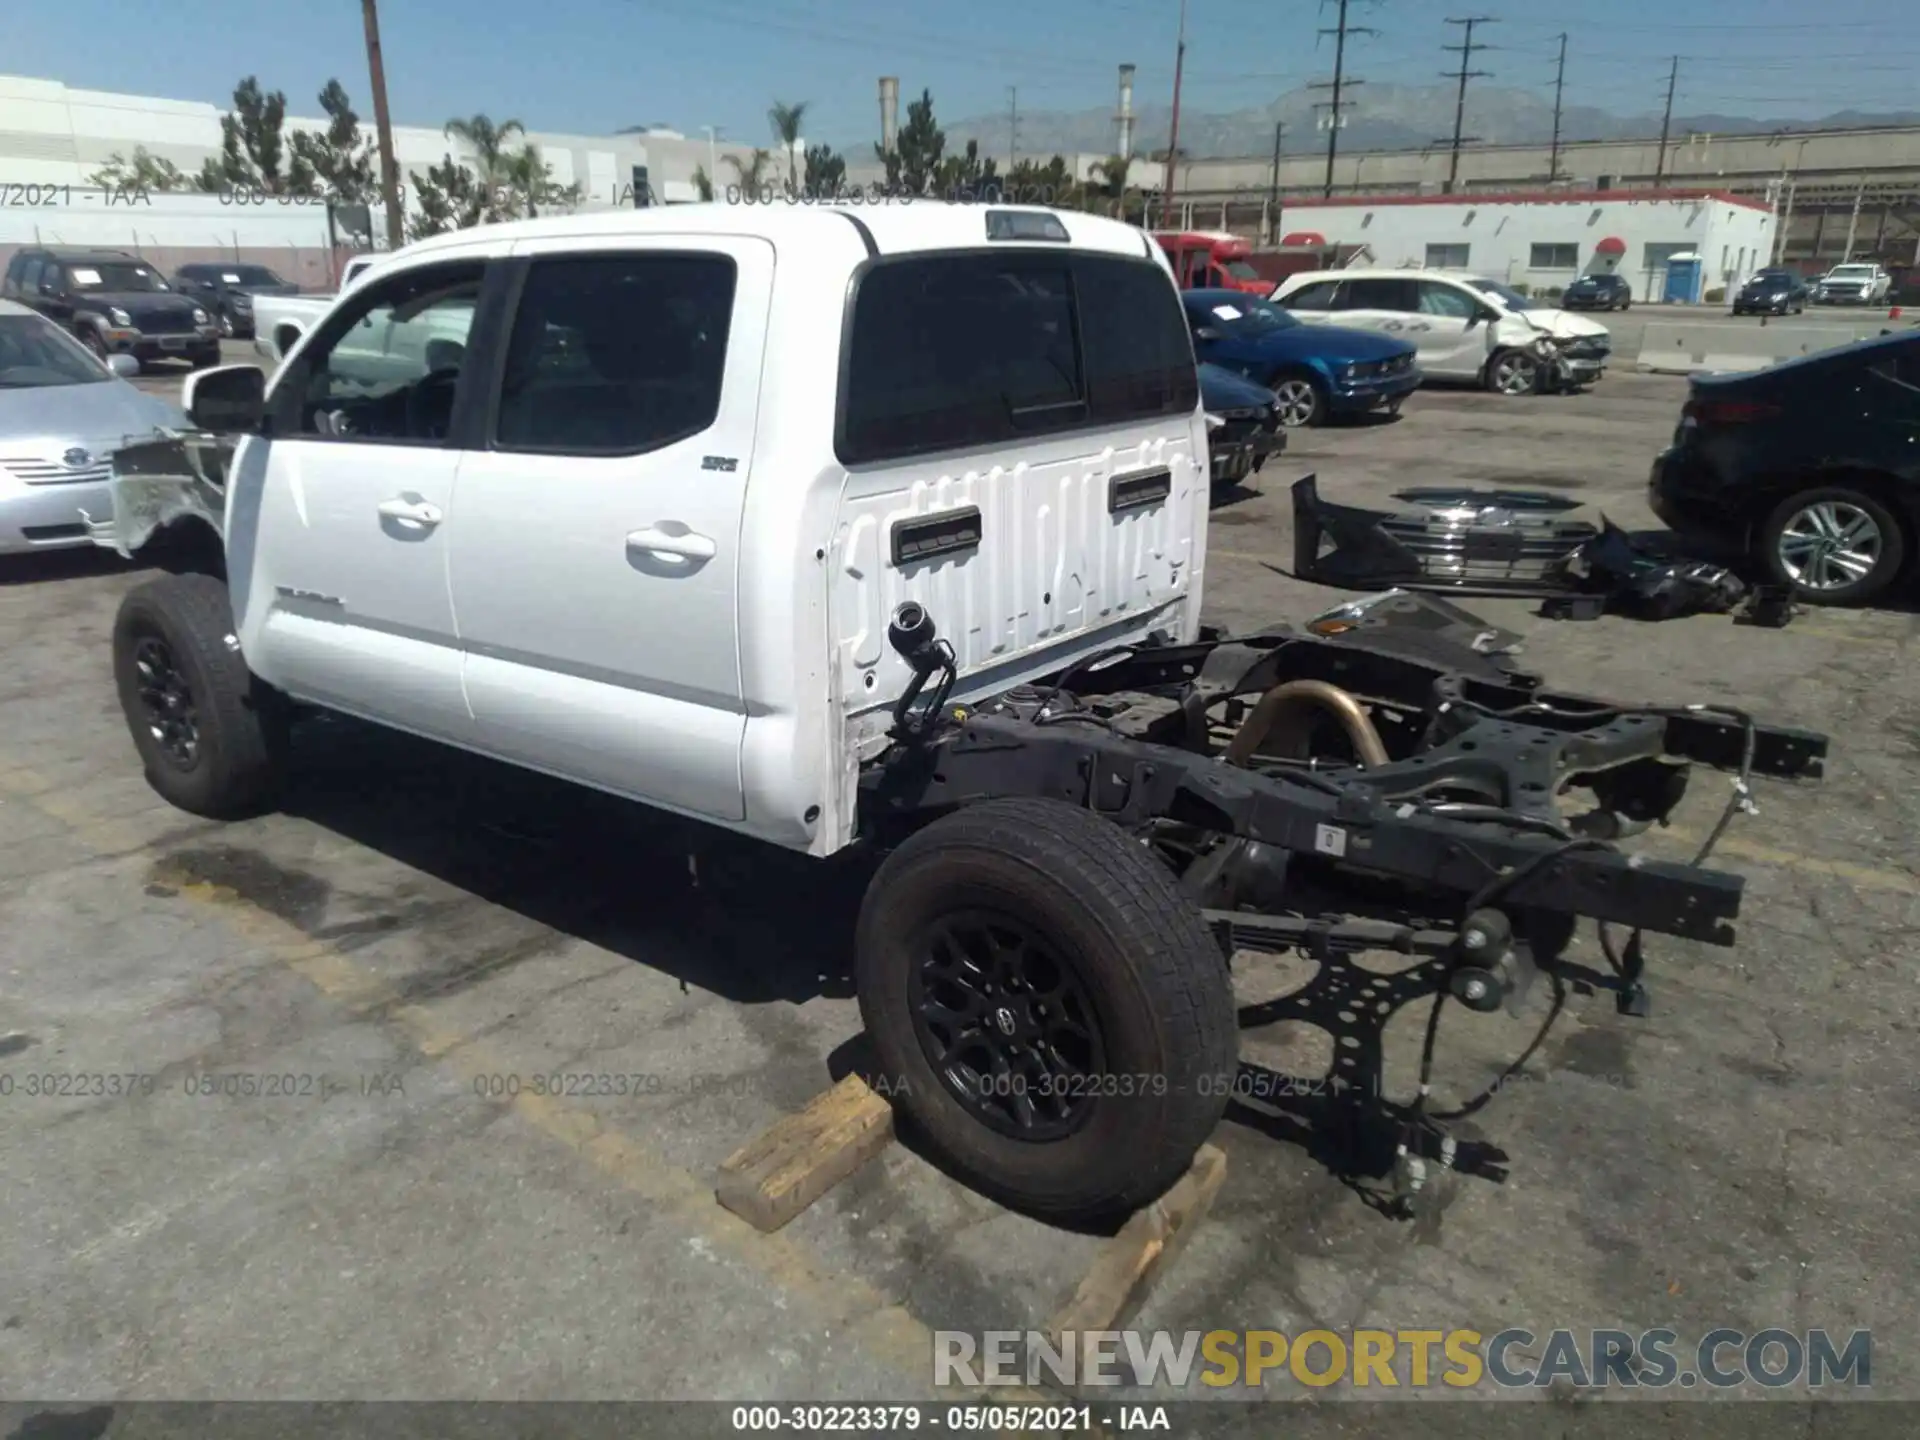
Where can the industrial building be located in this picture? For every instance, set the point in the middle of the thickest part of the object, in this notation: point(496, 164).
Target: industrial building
point(1544, 239)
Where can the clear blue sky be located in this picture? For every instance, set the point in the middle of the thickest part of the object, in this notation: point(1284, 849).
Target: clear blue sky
point(591, 66)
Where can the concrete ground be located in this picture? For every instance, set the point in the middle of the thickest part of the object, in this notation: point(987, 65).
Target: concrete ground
point(362, 1208)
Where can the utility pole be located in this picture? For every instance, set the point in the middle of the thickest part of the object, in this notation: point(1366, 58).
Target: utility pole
point(389, 174)
point(1559, 81)
point(1853, 220)
point(1335, 106)
point(1466, 48)
point(1666, 125)
point(1273, 189)
point(1173, 140)
point(1013, 126)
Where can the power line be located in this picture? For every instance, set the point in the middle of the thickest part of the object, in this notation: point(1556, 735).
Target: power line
point(1466, 48)
point(1559, 83)
point(1335, 107)
point(1666, 124)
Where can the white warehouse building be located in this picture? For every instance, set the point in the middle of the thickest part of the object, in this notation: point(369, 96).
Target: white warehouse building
point(1545, 239)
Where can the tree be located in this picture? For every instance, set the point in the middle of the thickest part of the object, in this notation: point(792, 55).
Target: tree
point(251, 149)
point(702, 182)
point(914, 160)
point(142, 172)
point(826, 171)
point(531, 183)
point(965, 174)
point(1112, 174)
point(1031, 183)
point(450, 197)
point(493, 162)
point(339, 157)
point(786, 119)
point(750, 174)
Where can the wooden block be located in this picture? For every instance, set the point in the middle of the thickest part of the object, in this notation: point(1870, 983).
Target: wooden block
point(794, 1162)
point(1124, 1272)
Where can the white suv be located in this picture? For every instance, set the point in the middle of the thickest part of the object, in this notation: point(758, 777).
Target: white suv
point(1853, 285)
point(1467, 327)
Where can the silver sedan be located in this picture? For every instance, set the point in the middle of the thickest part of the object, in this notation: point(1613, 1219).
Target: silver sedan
point(63, 412)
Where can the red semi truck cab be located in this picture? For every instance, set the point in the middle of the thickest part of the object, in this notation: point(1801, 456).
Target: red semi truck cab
point(1204, 260)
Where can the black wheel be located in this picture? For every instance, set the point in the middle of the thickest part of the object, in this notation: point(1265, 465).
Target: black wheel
point(1513, 372)
point(1833, 546)
point(212, 738)
point(1050, 1011)
point(91, 339)
point(204, 359)
point(226, 324)
point(1301, 402)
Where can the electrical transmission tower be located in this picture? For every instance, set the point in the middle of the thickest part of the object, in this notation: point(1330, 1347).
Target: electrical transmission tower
point(1466, 47)
point(1335, 107)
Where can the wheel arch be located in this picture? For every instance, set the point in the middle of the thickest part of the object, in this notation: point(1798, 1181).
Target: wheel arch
point(187, 545)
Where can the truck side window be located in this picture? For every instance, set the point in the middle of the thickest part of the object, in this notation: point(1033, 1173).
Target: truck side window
point(616, 354)
point(388, 364)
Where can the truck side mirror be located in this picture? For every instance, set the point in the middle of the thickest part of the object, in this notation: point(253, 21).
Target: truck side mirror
point(47, 287)
point(228, 398)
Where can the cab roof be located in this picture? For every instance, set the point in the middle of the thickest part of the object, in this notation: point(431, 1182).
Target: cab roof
point(891, 227)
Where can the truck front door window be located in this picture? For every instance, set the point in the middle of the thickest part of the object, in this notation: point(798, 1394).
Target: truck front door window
point(390, 373)
point(616, 355)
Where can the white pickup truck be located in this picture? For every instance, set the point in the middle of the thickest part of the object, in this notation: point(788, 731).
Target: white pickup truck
point(883, 529)
point(280, 320)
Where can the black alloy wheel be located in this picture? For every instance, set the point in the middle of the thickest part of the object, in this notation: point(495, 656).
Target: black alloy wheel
point(1008, 1024)
point(166, 702)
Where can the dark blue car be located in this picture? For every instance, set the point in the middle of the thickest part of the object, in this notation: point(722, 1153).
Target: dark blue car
point(1314, 370)
point(1243, 424)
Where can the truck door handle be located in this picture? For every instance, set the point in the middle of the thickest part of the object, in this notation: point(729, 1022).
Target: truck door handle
point(687, 545)
point(411, 512)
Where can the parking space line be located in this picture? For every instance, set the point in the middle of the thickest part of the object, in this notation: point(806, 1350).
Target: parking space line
point(878, 1326)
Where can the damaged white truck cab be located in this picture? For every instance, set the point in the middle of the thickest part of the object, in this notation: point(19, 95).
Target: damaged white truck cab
point(885, 527)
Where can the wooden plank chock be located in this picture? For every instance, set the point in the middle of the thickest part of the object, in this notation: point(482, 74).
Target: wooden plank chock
point(1125, 1271)
point(796, 1160)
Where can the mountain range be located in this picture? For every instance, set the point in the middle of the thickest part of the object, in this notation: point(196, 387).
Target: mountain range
point(1384, 117)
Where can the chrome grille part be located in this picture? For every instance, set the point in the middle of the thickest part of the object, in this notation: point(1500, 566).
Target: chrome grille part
point(54, 470)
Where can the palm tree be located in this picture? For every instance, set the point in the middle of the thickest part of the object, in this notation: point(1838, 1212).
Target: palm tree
point(785, 119)
point(1112, 173)
point(751, 173)
point(702, 182)
point(489, 143)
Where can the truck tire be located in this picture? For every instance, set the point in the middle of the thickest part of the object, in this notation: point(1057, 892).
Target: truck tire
point(212, 738)
point(1048, 1011)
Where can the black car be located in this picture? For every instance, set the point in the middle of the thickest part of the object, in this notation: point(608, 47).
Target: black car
point(228, 290)
point(1243, 425)
point(114, 303)
point(1771, 292)
point(1598, 292)
point(1809, 466)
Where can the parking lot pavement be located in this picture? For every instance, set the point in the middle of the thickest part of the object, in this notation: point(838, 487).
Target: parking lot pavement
point(383, 1206)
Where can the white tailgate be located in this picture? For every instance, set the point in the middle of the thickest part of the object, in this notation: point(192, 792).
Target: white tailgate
point(1053, 572)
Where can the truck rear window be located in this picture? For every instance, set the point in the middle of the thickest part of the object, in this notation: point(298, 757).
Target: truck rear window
point(960, 352)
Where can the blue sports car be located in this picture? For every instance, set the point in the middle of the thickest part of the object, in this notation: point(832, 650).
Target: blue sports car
point(1314, 370)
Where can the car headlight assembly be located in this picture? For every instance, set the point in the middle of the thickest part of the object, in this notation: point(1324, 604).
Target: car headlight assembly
point(200, 317)
point(118, 316)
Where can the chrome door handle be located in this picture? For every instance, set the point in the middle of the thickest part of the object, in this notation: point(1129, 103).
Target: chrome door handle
point(687, 545)
point(411, 512)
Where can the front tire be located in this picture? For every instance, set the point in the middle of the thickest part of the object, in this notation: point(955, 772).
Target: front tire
point(1833, 546)
point(211, 737)
point(1513, 372)
point(1301, 401)
point(1048, 1010)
